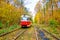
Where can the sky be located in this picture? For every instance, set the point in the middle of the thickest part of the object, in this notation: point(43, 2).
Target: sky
point(30, 5)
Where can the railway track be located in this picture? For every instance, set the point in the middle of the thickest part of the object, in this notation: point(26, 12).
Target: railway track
point(28, 35)
point(18, 35)
point(42, 34)
point(51, 34)
point(13, 35)
point(34, 33)
point(21, 34)
point(9, 32)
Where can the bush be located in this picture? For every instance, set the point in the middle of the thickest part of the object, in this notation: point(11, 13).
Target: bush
point(53, 23)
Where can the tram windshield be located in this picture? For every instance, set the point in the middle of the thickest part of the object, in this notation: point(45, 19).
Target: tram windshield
point(24, 18)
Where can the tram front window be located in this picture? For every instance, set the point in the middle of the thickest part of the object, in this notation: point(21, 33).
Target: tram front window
point(24, 18)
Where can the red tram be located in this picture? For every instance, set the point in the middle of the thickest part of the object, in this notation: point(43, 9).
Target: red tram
point(25, 21)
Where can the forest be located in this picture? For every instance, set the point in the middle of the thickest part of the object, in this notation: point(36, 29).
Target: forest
point(47, 15)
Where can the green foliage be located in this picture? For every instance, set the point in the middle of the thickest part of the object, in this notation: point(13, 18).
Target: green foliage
point(3, 31)
point(53, 23)
point(11, 28)
point(7, 24)
point(55, 31)
point(0, 24)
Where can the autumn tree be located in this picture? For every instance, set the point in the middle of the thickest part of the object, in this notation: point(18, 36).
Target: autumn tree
point(50, 10)
point(10, 13)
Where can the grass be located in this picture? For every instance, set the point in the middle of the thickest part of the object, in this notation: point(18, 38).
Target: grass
point(11, 28)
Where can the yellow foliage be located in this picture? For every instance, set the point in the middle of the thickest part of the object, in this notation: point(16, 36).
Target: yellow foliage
point(56, 15)
point(39, 17)
point(49, 14)
point(9, 13)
